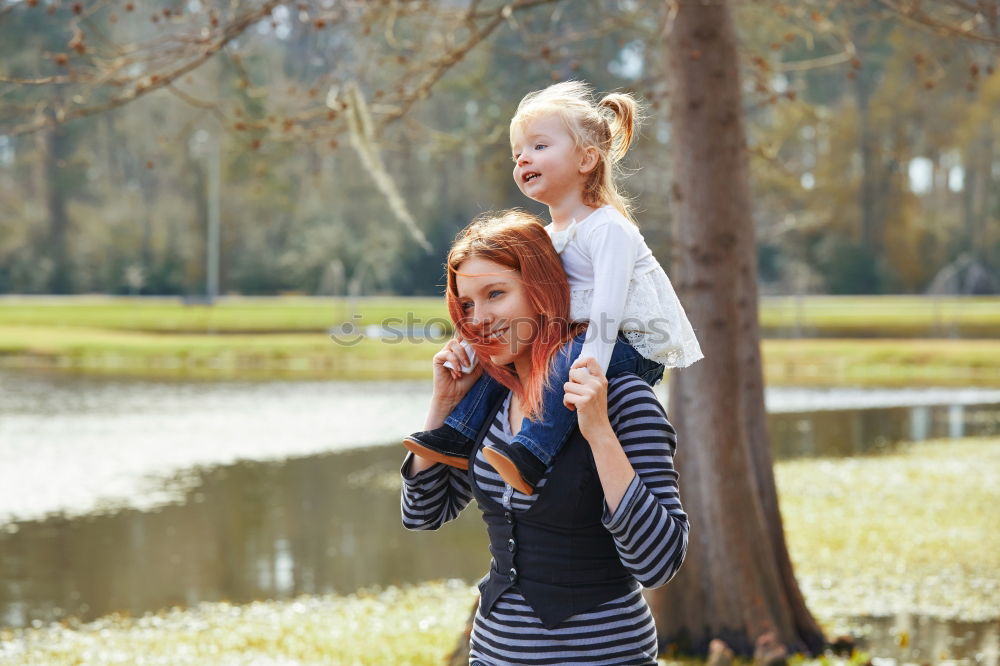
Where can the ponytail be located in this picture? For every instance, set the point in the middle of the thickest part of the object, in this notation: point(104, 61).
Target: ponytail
point(621, 125)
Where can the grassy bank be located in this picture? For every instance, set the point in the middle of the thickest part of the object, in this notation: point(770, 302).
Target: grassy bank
point(415, 626)
point(289, 314)
point(234, 356)
point(317, 356)
point(826, 316)
point(881, 316)
point(915, 531)
point(299, 337)
point(862, 362)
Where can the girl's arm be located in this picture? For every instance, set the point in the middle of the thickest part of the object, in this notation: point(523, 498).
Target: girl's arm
point(633, 445)
point(612, 248)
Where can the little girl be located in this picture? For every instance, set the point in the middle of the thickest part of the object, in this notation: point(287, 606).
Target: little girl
point(565, 147)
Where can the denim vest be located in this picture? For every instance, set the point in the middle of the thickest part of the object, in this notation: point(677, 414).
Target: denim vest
point(557, 553)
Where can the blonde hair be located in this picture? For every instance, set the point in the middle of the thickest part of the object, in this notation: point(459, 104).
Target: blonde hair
point(608, 125)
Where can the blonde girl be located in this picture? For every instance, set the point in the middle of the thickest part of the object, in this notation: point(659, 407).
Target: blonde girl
point(566, 147)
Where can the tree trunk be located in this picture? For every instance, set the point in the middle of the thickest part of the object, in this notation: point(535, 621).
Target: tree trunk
point(871, 227)
point(970, 180)
point(869, 36)
point(55, 150)
point(977, 189)
point(737, 583)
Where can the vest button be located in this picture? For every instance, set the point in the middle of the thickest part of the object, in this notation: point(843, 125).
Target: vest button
point(510, 545)
point(513, 575)
point(509, 516)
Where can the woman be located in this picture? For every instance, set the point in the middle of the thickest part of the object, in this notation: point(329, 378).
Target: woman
point(568, 561)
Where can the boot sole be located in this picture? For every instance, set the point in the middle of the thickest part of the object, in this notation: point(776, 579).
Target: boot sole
point(507, 470)
point(430, 454)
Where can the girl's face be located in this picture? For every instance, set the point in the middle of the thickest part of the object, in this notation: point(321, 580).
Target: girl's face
point(496, 306)
point(548, 166)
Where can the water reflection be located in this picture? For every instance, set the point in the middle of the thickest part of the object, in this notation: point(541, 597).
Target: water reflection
point(922, 640)
point(131, 436)
point(246, 491)
point(315, 524)
point(253, 530)
point(854, 432)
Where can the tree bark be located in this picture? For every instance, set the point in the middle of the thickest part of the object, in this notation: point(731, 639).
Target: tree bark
point(737, 582)
point(55, 150)
point(869, 36)
point(872, 233)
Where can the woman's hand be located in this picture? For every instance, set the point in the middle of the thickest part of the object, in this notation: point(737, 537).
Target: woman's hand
point(587, 393)
point(451, 384)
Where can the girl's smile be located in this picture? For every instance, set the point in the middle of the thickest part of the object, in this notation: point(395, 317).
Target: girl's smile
point(546, 160)
point(550, 167)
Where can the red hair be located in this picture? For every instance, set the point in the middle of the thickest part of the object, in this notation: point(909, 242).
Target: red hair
point(517, 240)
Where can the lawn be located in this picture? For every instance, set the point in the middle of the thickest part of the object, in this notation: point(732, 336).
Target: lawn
point(381, 338)
point(830, 316)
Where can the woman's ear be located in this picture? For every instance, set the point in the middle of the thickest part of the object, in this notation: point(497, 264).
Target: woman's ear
point(589, 157)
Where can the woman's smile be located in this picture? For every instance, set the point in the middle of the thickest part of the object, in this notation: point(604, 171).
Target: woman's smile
point(494, 335)
point(494, 302)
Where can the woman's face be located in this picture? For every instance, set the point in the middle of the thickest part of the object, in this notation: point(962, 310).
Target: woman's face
point(496, 307)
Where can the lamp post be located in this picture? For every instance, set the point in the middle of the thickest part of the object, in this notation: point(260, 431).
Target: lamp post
point(205, 144)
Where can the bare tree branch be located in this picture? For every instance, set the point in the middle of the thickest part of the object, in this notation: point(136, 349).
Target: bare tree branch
point(956, 26)
point(231, 32)
point(195, 102)
point(445, 62)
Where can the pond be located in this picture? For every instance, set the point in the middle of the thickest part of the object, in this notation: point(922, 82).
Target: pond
point(131, 495)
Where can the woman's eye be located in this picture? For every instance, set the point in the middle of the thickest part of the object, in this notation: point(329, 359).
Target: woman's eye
point(495, 293)
point(465, 306)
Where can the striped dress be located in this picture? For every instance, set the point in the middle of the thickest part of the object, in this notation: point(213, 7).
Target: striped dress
point(649, 526)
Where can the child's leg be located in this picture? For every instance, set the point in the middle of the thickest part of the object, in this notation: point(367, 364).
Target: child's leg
point(544, 438)
point(452, 443)
point(469, 416)
point(523, 462)
point(625, 358)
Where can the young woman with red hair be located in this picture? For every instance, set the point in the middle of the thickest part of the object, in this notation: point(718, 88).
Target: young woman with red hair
point(605, 519)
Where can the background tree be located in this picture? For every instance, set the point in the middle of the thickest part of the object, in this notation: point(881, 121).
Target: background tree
point(737, 582)
point(136, 84)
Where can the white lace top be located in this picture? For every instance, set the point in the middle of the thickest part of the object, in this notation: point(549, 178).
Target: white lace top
point(617, 285)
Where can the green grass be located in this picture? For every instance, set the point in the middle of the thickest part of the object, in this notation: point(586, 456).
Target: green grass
point(411, 626)
point(287, 337)
point(244, 356)
point(848, 315)
point(914, 531)
point(286, 314)
point(816, 362)
point(883, 316)
point(864, 362)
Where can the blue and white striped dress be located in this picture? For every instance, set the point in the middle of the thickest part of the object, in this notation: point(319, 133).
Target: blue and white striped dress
point(650, 530)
